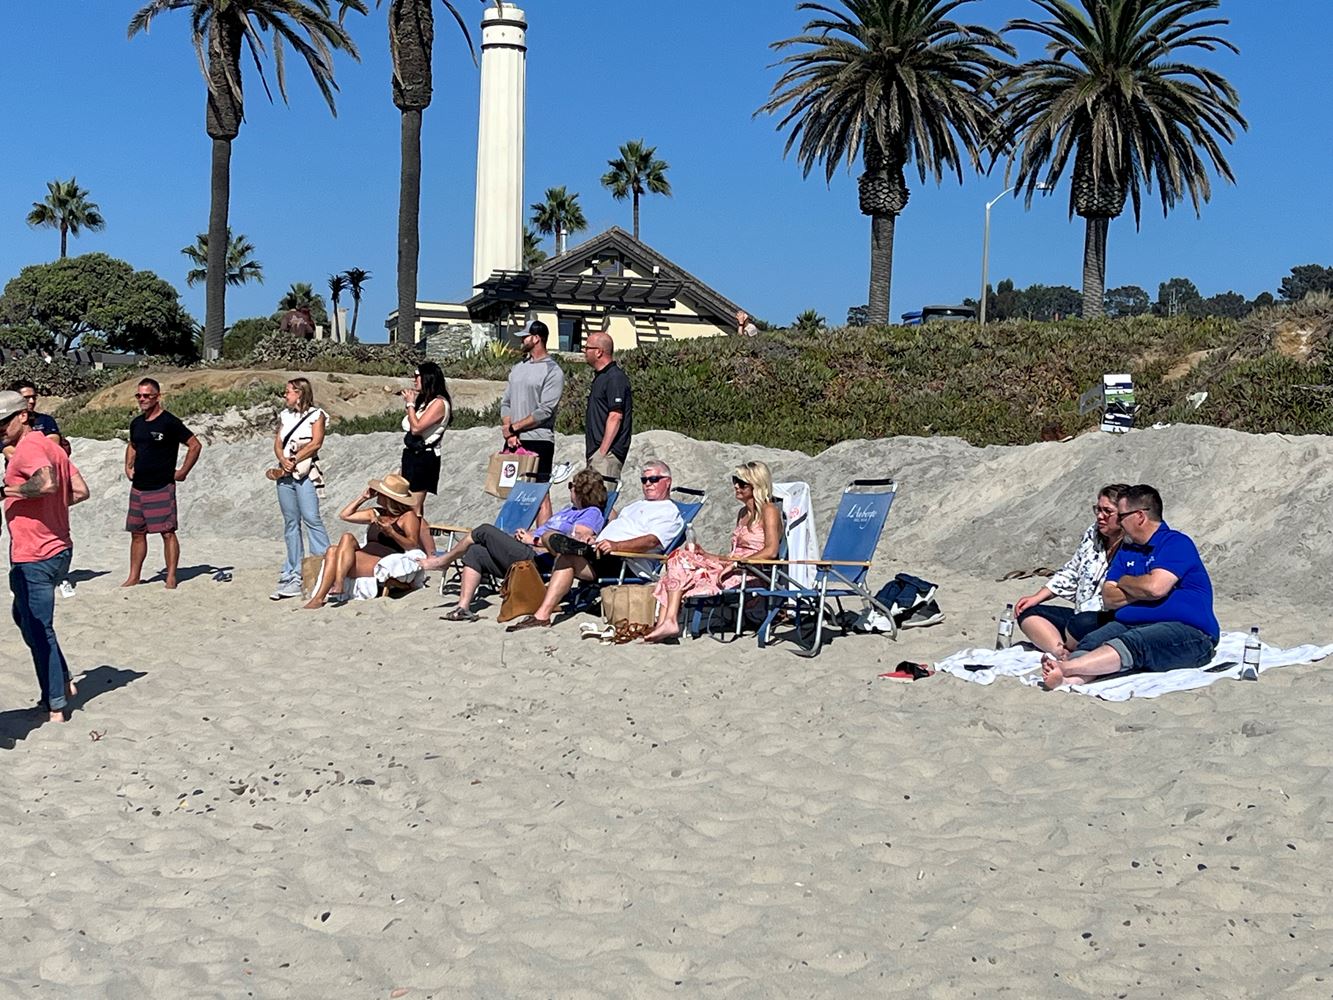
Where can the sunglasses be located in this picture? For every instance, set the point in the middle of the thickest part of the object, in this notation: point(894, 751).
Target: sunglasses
point(30, 399)
point(739, 482)
point(145, 395)
point(1104, 511)
point(652, 479)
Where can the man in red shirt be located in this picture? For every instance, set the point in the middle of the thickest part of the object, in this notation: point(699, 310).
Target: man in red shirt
point(40, 485)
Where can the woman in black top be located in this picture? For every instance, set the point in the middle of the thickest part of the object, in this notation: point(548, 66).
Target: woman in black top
point(393, 526)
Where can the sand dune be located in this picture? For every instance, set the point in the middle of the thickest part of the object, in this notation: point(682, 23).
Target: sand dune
point(363, 800)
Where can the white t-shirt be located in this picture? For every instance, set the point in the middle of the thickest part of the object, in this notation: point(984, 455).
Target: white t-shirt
point(288, 419)
point(432, 433)
point(645, 517)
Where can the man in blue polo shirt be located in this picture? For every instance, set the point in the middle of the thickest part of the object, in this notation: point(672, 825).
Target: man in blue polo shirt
point(1162, 598)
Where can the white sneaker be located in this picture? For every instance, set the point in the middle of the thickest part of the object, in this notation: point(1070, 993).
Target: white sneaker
point(560, 472)
point(289, 588)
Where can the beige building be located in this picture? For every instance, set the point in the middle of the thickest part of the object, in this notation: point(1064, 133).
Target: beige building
point(611, 283)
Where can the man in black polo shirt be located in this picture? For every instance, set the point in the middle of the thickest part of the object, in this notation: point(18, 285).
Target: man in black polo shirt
point(609, 423)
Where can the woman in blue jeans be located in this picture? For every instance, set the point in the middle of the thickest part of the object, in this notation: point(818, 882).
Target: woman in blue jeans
point(296, 444)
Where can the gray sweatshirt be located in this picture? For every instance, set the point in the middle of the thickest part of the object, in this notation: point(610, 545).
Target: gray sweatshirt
point(534, 390)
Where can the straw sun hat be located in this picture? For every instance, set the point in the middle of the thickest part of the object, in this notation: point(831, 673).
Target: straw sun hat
point(393, 486)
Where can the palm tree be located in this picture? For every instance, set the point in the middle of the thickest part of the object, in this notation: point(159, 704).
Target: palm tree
point(302, 295)
point(221, 31)
point(242, 268)
point(560, 214)
point(533, 254)
point(356, 279)
point(808, 321)
point(1115, 92)
point(337, 285)
point(893, 81)
point(636, 172)
point(66, 207)
point(411, 36)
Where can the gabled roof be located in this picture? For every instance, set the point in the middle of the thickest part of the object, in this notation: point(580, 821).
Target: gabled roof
point(643, 259)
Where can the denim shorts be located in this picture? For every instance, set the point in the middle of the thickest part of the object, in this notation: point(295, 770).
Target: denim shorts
point(1155, 647)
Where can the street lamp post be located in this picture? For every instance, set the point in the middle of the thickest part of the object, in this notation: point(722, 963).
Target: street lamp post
point(985, 248)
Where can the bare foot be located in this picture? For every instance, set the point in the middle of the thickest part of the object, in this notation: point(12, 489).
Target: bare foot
point(1051, 675)
point(131, 582)
point(58, 716)
point(313, 605)
point(663, 632)
point(171, 583)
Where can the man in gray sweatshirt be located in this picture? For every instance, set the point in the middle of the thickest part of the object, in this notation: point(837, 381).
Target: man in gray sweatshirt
point(531, 398)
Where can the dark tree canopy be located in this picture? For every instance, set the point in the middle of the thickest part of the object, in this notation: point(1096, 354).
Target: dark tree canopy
point(133, 310)
point(1305, 279)
point(1036, 302)
point(1177, 297)
point(1127, 300)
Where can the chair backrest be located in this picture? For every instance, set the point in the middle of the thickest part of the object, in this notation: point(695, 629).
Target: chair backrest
point(689, 503)
point(858, 524)
point(612, 495)
point(520, 507)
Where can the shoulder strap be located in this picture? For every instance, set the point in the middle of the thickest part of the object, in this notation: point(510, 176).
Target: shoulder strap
point(297, 426)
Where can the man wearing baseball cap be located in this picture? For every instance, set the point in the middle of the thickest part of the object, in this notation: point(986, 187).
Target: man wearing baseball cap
point(40, 485)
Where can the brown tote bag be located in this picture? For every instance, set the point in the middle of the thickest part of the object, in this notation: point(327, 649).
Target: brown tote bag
point(522, 591)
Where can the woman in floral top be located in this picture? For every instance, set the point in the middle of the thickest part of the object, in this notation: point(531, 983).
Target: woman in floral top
point(1054, 629)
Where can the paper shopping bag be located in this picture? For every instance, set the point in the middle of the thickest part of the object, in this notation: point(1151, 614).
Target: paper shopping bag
point(506, 469)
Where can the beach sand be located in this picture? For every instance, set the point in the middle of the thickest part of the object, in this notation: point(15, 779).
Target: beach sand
point(253, 800)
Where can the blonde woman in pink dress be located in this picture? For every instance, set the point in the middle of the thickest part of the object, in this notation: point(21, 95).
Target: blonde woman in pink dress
point(692, 572)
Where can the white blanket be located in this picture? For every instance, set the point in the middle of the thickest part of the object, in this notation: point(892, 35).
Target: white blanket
point(404, 566)
point(1024, 663)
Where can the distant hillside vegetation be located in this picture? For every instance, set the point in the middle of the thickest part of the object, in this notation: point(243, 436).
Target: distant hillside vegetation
point(1007, 383)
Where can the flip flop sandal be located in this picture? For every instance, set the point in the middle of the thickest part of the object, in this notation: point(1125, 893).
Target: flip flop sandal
point(526, 623)
point(460, 615)
point(907, 671)
point(588, 630)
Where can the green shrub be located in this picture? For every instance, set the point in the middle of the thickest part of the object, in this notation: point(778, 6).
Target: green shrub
point(281, 350)
point(58, 377)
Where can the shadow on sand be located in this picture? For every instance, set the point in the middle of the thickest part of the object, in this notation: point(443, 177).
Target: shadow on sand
point(184, 573)
point(17, 724)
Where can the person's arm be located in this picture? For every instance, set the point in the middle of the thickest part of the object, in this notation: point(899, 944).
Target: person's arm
point(643, 543)
point(79, 491)
point(613, 422)
point(277, 448)
point(41, 483)
point(432, 414)
point(1113, 597)
point(129, 461)
point(506, 427)
point(1151, 586)
point(192, 450)
point(353, 514)
point(405, 529)
point(1032, 600)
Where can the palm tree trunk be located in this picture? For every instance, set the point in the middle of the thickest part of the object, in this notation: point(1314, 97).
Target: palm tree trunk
point(1094, 267)
point(409, 220)
point(215, 308)
point(881, 268)
point(64, 239)
point(636, 215)
point(356, 310)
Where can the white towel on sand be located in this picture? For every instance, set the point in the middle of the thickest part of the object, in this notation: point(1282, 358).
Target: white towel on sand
point(405, 566)
point(1024, 663)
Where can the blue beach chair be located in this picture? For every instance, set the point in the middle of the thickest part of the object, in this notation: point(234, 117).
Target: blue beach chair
point(839, 573)
point(724, 615)
point(518, 511)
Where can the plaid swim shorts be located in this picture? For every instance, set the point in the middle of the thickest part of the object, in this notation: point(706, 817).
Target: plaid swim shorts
point(152, 511)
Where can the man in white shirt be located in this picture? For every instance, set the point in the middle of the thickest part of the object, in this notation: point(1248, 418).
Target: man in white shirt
point(647, 525)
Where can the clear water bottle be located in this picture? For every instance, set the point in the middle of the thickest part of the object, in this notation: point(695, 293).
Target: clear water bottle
point(1249, 662)
point(1004, 630)
point(690, 543)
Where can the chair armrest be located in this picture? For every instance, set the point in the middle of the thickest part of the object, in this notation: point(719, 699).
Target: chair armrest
point(446, 529)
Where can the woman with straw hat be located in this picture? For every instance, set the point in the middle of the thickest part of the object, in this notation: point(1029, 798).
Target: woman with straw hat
point(392, 526)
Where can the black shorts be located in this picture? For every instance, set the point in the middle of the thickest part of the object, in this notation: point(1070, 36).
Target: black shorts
point(1076, 623)
point(421, 469)
point(545, 452)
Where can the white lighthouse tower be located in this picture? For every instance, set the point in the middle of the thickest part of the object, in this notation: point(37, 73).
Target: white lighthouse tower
point(497, 242)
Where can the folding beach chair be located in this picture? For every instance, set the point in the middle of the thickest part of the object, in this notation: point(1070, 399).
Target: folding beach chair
point(723, 615)
point(839, 573)
point(518, 511)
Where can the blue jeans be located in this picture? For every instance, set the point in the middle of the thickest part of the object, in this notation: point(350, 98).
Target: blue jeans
point(34, 587)
point(1159, 646)
point(299, 502)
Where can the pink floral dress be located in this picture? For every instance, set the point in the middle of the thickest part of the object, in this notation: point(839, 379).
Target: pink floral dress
point(697, 574)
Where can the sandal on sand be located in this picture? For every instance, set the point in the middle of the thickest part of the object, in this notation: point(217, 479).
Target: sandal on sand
point(460, 614)
point(907, 671)
point(531, 621)
point(588, 630)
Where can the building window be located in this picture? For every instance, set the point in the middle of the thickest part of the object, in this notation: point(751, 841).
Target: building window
point(608, 267)
point(571, 333)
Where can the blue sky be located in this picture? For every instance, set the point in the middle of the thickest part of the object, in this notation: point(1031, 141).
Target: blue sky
point(318, 194)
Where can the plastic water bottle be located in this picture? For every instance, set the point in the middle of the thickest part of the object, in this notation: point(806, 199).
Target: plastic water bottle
point(1004, 630)
point(1249, 666)
point(689, 538)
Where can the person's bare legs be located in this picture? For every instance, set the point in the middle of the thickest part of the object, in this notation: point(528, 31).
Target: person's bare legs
point(1070, 669)
point(171, 551)
point(338, 561)
point(424, 536)
point(138, 553)
point(467, 587)
point(1042, 634)
point(450, 557)
point(562, 581)
point(668, 621)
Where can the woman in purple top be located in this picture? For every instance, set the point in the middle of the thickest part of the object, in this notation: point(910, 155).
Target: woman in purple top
point(488, 550)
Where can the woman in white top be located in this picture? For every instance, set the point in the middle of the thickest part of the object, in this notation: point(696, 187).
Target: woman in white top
point(428, 409)
point(1055, 628)
point(296, 444)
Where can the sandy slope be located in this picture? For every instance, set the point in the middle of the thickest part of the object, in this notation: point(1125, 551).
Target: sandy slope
point(353, 801)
